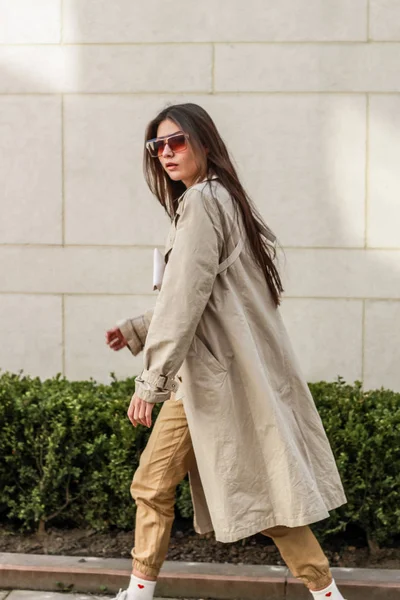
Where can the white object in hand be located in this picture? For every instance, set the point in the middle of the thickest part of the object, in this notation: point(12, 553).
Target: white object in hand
point(158, 269)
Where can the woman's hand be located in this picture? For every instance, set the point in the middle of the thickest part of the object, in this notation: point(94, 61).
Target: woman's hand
point(140, 411)
point(115, 339)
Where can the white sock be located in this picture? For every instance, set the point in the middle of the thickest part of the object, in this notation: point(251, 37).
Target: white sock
point(329, 593)
point(141, 589)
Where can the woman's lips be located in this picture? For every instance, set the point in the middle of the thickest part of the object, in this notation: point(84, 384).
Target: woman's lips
point(172, 167)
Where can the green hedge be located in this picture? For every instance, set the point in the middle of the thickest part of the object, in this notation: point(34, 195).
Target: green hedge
point(68, 452)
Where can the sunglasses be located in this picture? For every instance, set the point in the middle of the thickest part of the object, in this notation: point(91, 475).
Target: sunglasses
point(177, 143)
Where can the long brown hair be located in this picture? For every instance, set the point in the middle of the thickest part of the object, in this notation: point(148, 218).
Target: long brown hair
point(194, 120)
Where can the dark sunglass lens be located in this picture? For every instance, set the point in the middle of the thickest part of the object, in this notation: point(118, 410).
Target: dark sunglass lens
point(177, 143)
point(159, 147)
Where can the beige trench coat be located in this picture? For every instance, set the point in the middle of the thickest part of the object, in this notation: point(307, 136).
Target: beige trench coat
point(263, 458)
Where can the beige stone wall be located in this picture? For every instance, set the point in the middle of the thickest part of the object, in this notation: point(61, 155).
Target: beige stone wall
point(306, 94)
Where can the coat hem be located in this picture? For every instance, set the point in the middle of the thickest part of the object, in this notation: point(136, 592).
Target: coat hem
point(203, 530)
point(239, 534)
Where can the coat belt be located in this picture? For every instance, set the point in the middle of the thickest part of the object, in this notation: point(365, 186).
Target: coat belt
point(232, 257)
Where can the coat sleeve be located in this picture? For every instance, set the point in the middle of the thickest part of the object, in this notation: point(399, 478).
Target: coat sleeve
point(135, 330)
point(187, 285)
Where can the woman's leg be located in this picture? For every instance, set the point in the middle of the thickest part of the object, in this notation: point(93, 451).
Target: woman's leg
point(163, 464)
point(303, 555)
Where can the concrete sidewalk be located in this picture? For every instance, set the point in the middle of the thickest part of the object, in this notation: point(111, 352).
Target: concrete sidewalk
point(182, 579)
point(32, 595)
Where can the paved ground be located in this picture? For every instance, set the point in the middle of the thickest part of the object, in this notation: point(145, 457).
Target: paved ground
point(29, 595)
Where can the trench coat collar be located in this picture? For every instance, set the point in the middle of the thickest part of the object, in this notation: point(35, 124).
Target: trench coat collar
point(267, 233)
point(180, 204)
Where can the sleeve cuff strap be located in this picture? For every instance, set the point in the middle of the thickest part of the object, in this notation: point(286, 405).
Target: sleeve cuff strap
point(157, 380)
point(150, 396)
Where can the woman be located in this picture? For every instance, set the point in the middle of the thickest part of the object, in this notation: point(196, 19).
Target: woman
point(238, 415)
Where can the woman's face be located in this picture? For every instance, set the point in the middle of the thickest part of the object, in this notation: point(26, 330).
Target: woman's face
point(180, 166)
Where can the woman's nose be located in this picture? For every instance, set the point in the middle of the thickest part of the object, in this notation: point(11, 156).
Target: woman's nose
point(167, 150)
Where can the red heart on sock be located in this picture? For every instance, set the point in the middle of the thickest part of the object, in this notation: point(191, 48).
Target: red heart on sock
point(328, 594)
point(142, 586)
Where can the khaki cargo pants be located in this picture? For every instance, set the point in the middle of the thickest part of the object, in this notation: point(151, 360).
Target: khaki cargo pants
point(164, 462)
